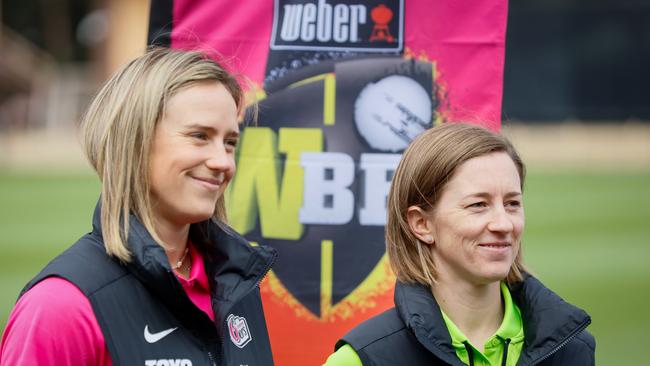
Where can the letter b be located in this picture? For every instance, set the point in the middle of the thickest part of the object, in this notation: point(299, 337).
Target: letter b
point(326, 199)
point(324, 23)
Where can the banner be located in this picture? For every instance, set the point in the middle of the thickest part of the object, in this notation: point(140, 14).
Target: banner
point(342, 87)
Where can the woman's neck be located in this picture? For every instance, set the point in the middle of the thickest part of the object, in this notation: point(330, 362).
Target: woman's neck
point(477, 310)
point(174, 238)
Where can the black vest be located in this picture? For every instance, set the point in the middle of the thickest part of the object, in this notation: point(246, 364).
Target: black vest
point(146, 316)
point(414, 333)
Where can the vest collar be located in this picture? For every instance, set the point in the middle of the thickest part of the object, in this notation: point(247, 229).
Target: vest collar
point(549, 321)
point(420, 312)
point(233, 266)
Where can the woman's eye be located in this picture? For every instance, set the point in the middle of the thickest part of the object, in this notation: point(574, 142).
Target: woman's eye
point(478, 204)
point(232, 142)
point(513, 204)
point(199, 135)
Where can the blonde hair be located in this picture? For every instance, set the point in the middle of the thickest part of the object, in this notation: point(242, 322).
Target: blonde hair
point(118, 128)
point(421, 176)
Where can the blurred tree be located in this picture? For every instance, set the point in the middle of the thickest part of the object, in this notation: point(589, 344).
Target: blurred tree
point(49, 24)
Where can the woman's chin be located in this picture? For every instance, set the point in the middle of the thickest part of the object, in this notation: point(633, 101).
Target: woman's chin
point(491, 275)
point(198, 216)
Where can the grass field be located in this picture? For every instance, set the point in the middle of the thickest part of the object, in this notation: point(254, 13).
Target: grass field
point(587, 237)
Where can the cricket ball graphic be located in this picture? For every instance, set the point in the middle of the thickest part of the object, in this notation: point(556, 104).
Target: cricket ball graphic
point(389, 113)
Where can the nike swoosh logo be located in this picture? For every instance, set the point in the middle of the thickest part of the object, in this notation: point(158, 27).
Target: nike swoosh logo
point(155, 337)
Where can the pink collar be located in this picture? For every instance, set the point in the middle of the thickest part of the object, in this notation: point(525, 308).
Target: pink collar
point(197, 272)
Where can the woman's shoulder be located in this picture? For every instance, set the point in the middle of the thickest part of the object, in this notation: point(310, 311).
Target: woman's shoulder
point(52, 303)
point(344, 356)
point(53, 315)
point(375, 329)
point(579, 351)
point(583, 343)
point(368, 334)
point(384, 337)
point(586, 339)
point(85, 264)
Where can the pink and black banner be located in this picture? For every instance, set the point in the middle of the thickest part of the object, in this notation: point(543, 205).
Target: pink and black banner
point(342, 87)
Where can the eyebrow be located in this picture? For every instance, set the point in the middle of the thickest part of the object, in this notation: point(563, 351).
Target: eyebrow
point(487, 195)
point(233, 133)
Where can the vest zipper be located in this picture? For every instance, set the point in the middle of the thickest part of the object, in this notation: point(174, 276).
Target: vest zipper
point(223, 347)
point(268, 268)
point(257, 285)
point(257, 282)
point(211, 358)
point(567, 340)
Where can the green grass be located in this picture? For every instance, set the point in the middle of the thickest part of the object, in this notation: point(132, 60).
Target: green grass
point(586, 238)
point(40, 215)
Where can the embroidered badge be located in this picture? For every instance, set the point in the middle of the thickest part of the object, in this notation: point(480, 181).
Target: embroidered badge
point(240, 335)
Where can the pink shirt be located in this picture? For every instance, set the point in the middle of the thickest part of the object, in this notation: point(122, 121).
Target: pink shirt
point(54, 323)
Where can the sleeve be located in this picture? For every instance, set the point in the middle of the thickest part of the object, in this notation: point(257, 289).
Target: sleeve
point(53, 324)
point(344, 356)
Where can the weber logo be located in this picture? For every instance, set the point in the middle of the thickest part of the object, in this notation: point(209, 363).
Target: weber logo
point(321, 25)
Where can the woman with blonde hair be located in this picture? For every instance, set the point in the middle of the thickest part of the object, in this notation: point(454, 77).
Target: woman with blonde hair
point(453, 238)
point(161, 279)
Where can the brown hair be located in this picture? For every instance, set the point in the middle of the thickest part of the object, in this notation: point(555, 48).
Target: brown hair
point(118, 130)
point(427, 165)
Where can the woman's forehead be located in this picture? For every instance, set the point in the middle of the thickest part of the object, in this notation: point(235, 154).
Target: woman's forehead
point(490, 173)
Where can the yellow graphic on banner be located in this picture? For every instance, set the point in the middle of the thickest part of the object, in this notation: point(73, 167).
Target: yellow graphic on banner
point(260, 187)
point(326, 276)
point(329, 95)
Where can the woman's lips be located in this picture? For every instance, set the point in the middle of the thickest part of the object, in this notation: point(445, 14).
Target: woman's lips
point(496, 247)
point(210, 182)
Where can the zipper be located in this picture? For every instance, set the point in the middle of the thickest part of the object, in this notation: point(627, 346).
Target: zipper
point(211, 358)
point(266, 270)
point(257, 285)
point(223, 346)
point(567, 340)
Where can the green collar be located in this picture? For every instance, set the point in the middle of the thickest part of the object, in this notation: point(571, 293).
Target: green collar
point(511, 328)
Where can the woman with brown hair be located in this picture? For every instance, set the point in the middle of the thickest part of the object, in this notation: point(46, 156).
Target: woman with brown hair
point(453, 238)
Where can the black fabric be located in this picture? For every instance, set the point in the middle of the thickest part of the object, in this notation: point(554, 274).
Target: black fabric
point(414, 333)
point(386, 328)
point(504, 359)
point(548, 322)
point(161, 19)
point(470, 353)
point(126, 298)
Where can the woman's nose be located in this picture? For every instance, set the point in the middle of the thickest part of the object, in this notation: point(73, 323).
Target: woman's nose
point(500, 221)
point(220, 159)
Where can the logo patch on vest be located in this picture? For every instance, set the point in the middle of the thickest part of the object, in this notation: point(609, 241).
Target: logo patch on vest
point(240, 335)
point(155, 337)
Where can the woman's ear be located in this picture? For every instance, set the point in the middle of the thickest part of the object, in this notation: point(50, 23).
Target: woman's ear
point(420, 224)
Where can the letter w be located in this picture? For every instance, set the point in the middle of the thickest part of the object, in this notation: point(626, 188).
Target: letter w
point(291, 22)
point(260, 186)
